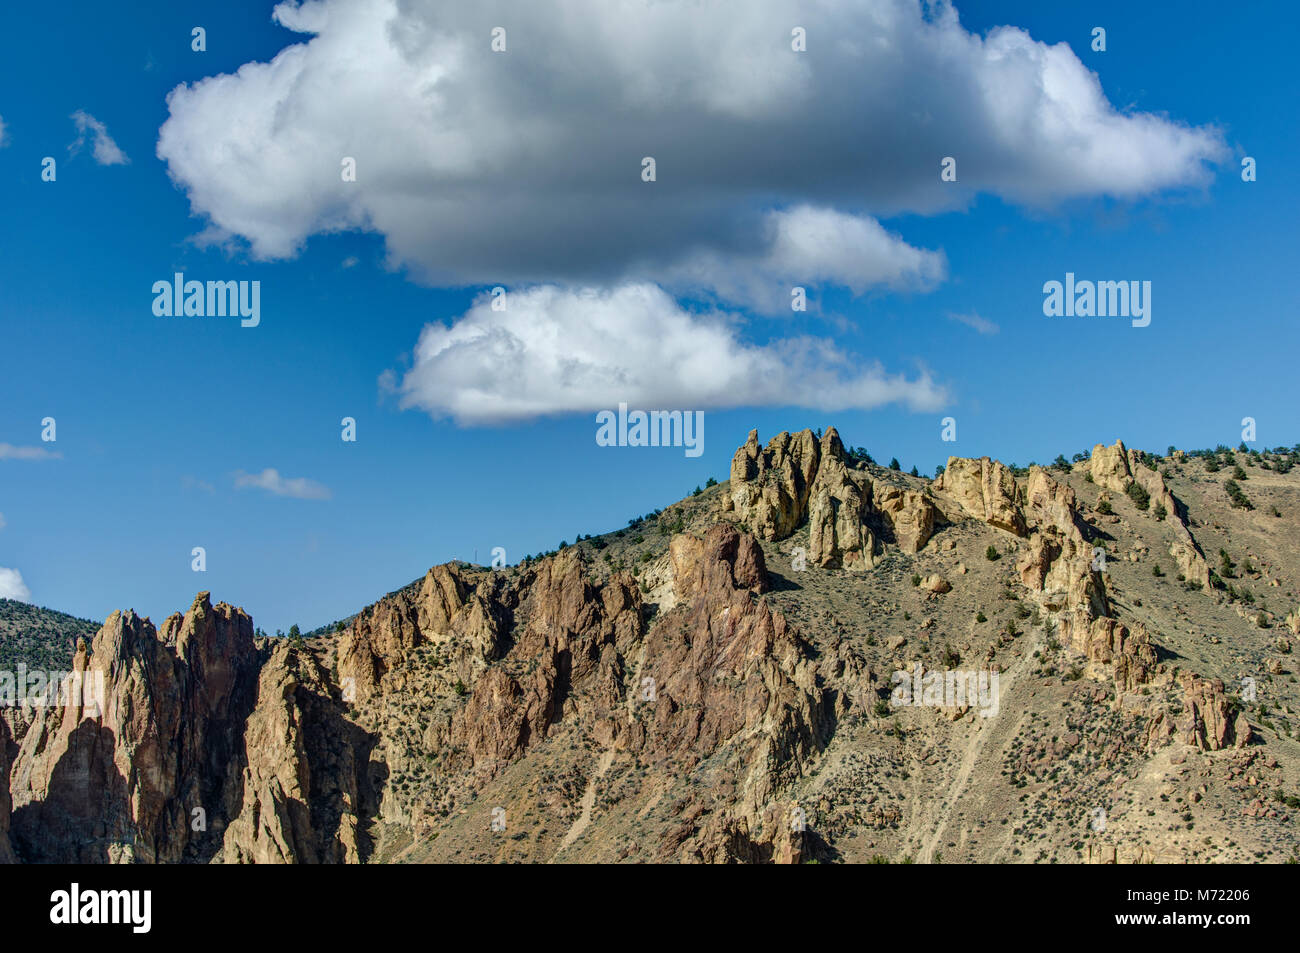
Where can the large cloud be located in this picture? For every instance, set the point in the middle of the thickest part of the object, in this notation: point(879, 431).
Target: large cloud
point(524, 166)
point(553, 350)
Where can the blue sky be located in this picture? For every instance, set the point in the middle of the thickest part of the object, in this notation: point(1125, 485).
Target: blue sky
point(157, 416)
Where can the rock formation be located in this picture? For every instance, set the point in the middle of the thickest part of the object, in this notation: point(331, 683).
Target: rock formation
point(1208, 721)
point(796, 478)
point(985, 490)
point(131, 776)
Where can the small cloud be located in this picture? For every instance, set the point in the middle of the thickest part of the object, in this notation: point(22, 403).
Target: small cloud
point(270, 480)
point(9, 452)
point(12, 586)
point(973, 320)
point(4, 139)
point(105, 150)
point(351, 261)
point(194, 483)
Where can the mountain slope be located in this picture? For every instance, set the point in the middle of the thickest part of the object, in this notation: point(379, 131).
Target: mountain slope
point(39, 638)
point(730, 680)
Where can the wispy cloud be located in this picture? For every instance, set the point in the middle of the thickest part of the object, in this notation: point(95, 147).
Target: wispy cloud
point(12, 585)
point(4, 139)
point(973, 320)
point(270, 480)
point(105, 150)
point(190, 482)
point(9, 452)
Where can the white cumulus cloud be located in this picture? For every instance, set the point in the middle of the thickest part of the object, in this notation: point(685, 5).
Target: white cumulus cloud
point(555, 350)
point(270, 480)
point(12, 585)
point(525, 166)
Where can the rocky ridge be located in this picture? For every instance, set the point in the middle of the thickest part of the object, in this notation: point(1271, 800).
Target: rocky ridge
point(722, 695)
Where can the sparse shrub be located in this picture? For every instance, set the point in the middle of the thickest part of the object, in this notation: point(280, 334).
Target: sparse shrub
point(1160, 512)
point(992, 554)
point(710, 482)
point(1236, 496)
point(916, 580)
point(1139, 495)
point(981, 617)
point(1104, 507)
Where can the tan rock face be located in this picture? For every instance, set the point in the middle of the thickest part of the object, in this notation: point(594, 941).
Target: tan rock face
point(120, 781)
point(839, 504)
point(1110, 646)
point(770, 486)
point(795, 478)
point(983, 489)
point(1109, 467)
point(305, 782)
point(1053, 505)
point(1207, 721)
point(910, 513)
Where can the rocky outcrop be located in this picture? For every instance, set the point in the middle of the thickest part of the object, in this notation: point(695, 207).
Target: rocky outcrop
point(446, 614)
point(770, 486)
point(731, 676)
point(1059, 563)
point(837, 510)
point(575, 638)
point(985, 490)
point(1111, 647)
point(911, 514)
point(1117, 468)
point(305, 784)
point(150, 771)
point(1109, 467)
point(797, 478)
point(1208, 720)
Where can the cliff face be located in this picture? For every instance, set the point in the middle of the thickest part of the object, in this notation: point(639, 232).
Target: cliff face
point(149, 771)
point(718, 683)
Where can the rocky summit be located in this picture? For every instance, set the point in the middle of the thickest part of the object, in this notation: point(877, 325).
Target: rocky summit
point(818, 660)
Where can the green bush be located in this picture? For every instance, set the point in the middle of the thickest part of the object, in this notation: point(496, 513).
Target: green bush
point(1236, 496)
point(1139, 495)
